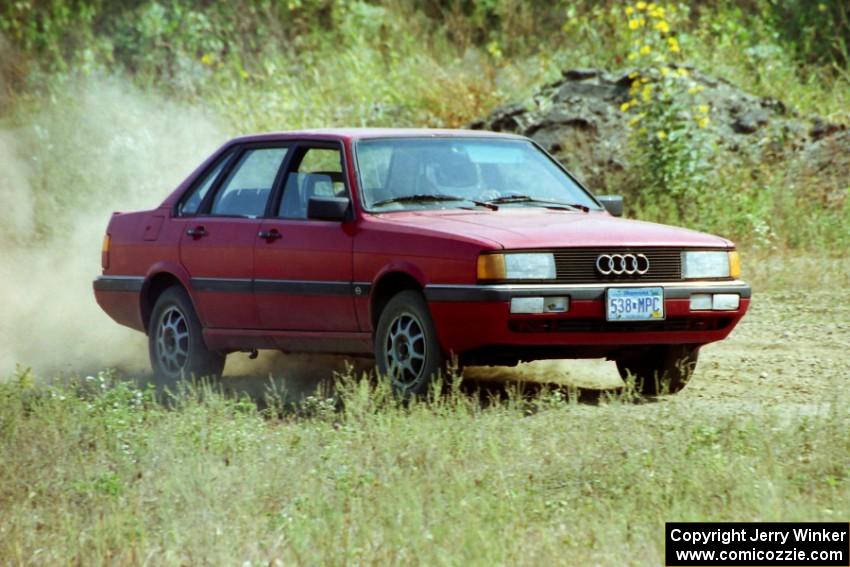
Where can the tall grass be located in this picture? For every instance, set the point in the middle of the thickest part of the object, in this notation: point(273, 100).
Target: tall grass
point(99, 472)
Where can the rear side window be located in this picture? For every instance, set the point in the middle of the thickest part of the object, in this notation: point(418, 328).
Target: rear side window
point(247, 188)
point(191, 205)
point(318, 175)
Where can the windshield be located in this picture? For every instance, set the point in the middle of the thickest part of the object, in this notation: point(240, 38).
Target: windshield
point(417, 173)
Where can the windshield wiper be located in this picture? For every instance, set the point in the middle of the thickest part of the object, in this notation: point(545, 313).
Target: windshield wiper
point(528, 199)
point(432, 198)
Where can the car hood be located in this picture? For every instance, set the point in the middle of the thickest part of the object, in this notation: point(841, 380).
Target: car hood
point(516, 227)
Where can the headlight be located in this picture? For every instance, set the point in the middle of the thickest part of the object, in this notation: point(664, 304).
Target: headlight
point(719, 264)
point(520, 266)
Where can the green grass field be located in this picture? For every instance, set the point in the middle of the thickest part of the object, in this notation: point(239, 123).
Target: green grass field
point(110, 477)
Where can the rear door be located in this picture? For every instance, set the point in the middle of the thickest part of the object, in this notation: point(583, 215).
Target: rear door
point(217, 246)
point(303, 267)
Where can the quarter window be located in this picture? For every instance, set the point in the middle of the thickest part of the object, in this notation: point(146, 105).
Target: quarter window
point(247, 188)
point(318, 175)
point(191, 205)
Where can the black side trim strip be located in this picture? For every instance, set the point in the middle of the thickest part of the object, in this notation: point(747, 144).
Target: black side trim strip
point(472, 293)
point(302, 287)
point(119, 283)
point(222, 285)
point(288, 287)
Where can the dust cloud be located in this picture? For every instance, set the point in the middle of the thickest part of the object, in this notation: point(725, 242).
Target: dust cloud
point(65, 166)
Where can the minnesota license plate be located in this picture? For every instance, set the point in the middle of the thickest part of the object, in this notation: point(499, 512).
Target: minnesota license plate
point(634, 304)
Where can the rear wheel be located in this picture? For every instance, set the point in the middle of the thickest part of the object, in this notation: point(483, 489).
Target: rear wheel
point(660, 370)
point(406, 346)
point(176, 341)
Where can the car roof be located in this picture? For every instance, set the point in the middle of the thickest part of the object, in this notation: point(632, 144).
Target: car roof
point(365, 133)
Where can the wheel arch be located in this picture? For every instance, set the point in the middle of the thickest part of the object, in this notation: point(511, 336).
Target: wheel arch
point(155, 284)
point(385, 287)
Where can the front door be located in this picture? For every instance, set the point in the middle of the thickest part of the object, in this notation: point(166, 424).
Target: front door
point(303, 267)
point(217, 246)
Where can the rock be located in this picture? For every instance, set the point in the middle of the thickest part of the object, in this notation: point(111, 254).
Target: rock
point(578, 119)
point(580, 74)
point(750, 120)
point(821, 128)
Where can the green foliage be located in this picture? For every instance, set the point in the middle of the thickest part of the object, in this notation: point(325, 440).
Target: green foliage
point(817, 31)
point(669, 151)
point(280, 64)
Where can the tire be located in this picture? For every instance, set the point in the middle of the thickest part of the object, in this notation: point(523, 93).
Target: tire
point(406, 346)
point(660, 370)
point(176, 342)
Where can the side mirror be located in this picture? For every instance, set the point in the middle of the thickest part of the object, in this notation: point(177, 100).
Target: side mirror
point(612, 203)
point(328, 208)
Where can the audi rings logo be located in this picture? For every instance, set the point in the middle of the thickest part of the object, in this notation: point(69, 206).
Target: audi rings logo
point(622, 264)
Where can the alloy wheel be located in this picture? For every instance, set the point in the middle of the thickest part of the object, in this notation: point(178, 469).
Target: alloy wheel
point(172, 341)
point(405, 350)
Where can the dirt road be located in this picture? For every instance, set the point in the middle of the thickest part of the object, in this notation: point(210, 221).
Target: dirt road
point(791, 348)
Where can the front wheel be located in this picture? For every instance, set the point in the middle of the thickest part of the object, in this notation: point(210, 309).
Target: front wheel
point(659, 370)
point(406, 346)
point(176, 341)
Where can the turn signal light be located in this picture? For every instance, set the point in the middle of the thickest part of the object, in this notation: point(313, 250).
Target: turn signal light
point(734, 265)
point(491, 267)
point(104, 252)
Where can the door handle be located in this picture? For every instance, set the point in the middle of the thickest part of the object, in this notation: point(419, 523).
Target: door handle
point(270, 235)
point(197, 232)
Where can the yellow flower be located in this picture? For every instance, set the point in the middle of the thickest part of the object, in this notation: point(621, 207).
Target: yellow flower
point(633, 75)
point(645, 50)
point(665, 71)
point(644, 80)
point(633, 24)
point(642, 22)
point(682, 72)
point(696, 89)
point(632, 56)
point(646, 93)
point(650, 6)
point(207, 59)
point(641, 5)
point(629, 10)
point(625, 106)
point(661, 135)
point(657, 13)
point(663, 27)
point(673, 43)
point(635, 119)
point(703, 108)
point(703, 122)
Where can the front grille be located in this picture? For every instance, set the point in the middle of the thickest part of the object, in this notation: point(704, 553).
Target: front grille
point(602, 326)
point(578, 265)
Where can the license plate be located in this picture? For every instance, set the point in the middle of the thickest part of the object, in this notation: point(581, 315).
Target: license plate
point(634, 304)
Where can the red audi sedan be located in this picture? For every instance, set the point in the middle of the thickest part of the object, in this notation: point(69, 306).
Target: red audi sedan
point(412, 246)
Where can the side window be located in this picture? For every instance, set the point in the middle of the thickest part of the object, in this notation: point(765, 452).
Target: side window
point(190, 205)
point(247, 188)
point(318, 175)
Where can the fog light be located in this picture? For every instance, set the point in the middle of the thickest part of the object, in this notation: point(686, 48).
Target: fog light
point(726, 301)
point(556, 304)
point(531, 305)
point(700, 302)
point(527, 305)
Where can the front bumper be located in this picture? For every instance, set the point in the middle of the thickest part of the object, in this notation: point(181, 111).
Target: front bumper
point(473, 318)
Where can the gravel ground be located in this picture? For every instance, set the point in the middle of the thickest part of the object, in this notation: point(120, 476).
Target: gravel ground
point(791, 348)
